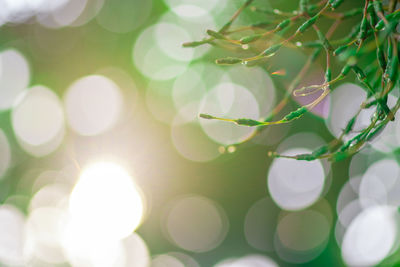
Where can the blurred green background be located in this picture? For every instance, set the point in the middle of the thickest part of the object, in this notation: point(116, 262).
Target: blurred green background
point(108, 81)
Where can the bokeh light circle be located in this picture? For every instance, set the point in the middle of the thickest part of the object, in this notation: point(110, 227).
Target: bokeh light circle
point(63, 16)
point(229, 100)
point(345, 102)
point(53, 195)
point(348, 193)
point(260, 224)
point(379, 184)
point(193, 26)
point(93, 105)
point(136, 251)
point(12, 232)
point(44, 230)
point(189, 139)
point(38, 120)
point(195, 223)
point(304, 230)
point(14, 76)
point(258, 82)
point(152, 60)
point(302, 236)
point(371, 236)
point(295, 185)
point(38, 116)
point(91, 10)
point(349, 212)
point(170, 37)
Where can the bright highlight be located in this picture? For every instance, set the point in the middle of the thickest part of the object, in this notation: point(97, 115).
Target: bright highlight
point(105, 200)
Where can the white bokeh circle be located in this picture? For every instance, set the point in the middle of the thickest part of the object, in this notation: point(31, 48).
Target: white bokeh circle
point(295, 185)
point(93, 105)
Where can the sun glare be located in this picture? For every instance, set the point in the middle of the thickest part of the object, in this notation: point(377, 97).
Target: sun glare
point(105, 200)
